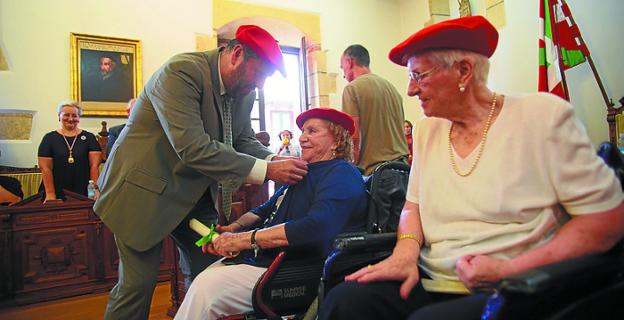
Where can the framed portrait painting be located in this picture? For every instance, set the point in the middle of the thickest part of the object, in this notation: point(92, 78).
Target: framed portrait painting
point(105, 73)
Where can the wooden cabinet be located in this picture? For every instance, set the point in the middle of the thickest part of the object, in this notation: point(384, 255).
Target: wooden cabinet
point(59, 250)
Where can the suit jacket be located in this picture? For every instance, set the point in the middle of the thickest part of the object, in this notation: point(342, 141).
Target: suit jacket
point(172, 151)
point(113, 134)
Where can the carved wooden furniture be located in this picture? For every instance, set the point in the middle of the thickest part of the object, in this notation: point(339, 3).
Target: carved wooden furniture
point(58, 250)
point(614, 121)
point(102, 139)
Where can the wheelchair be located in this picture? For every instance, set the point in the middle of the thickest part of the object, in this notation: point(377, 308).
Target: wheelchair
point(588, 287)
point(291, 283)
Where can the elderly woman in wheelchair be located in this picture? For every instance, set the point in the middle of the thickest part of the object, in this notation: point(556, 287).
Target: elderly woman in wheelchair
point(330, 200)
point(499, 184)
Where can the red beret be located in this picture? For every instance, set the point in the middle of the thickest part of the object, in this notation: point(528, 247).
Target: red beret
point(473, 33)
point(330, 114)
point(263, 44)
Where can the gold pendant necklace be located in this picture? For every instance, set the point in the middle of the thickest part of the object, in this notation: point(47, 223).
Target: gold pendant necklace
point(481, 144)
point(70, 159)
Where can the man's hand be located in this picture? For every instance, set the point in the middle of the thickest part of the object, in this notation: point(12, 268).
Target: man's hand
point(288, 171)
point(283, 158)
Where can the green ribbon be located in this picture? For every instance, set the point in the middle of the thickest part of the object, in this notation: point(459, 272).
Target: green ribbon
point(207, 238)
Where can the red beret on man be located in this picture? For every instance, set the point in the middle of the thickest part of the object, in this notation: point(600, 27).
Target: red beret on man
point(263, 44)
point(473, 33)
point(330, 114)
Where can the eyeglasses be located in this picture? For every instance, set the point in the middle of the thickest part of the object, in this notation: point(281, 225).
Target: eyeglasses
point(418, 77)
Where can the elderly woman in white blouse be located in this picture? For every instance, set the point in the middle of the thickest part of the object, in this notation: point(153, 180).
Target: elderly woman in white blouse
point(500, 183)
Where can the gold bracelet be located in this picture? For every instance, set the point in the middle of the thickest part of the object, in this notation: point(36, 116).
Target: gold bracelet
point(412, 236)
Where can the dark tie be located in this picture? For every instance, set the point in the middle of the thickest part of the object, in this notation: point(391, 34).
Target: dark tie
point(226, 189)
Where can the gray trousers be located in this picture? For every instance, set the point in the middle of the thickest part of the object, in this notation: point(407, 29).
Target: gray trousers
point(132, 295)
point(138, 270)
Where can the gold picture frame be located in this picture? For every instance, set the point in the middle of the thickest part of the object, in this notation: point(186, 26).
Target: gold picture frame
point(105, 73)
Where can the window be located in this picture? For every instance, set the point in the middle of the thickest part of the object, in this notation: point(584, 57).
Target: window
point(279, 103)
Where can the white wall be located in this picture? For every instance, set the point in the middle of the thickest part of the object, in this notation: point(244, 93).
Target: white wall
point(371, 23)
point(514, 65)
point(35, 37)
point(35, 82)
point(601, 27)
point(413, 15)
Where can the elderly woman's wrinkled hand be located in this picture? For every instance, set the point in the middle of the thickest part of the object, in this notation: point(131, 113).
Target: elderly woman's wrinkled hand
point(209, 248)
point(232, 227)
point(398, 267)
point(229, 244)
point(480, 271)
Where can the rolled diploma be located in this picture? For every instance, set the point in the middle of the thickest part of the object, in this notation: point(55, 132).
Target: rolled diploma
point(199, 227)
point(207, 234)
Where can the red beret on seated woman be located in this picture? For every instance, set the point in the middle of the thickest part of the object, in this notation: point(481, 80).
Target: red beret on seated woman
point(68, 157)
point(330, 200)
point(499, 184)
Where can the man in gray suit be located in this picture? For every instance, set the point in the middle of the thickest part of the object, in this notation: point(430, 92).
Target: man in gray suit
point(175, 151)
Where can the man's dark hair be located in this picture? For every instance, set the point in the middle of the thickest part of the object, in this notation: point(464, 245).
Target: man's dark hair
point(249, 53)
point(359, 54)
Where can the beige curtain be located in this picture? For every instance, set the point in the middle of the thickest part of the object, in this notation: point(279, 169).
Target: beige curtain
point(30, 182)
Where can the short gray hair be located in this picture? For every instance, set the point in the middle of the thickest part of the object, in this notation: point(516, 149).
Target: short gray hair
point(249, 53)
point(74, 104)
point(447, 57)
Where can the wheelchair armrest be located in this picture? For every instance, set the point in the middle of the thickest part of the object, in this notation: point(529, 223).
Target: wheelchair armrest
point(351, 252)
point(368, 241)
point(562, 275)
point(578, 288)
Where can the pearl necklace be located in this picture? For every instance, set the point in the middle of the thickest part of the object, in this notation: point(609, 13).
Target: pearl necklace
point(481, 144)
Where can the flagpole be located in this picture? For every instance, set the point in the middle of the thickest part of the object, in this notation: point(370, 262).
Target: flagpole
point(587, 55)
point(553, 23)
point(611, 110)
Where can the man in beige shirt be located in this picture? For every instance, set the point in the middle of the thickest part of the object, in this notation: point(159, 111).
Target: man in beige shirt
point(377, 108)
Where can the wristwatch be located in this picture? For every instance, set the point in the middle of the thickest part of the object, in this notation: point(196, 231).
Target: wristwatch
point(254, 245)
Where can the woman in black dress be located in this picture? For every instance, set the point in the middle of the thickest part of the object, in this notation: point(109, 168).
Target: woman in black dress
point(68, 157)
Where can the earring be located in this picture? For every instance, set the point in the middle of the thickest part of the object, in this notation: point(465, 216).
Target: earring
point(462, 88)
point(333, 154)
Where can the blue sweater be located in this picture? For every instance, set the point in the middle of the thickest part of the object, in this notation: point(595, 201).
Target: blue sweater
point(331, 199)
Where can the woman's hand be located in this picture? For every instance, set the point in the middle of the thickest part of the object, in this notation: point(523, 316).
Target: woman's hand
point(228, 244)
point(209, 248)
point(232, 227)
point(402, 266)
point(49, 197)
point(481, 271)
